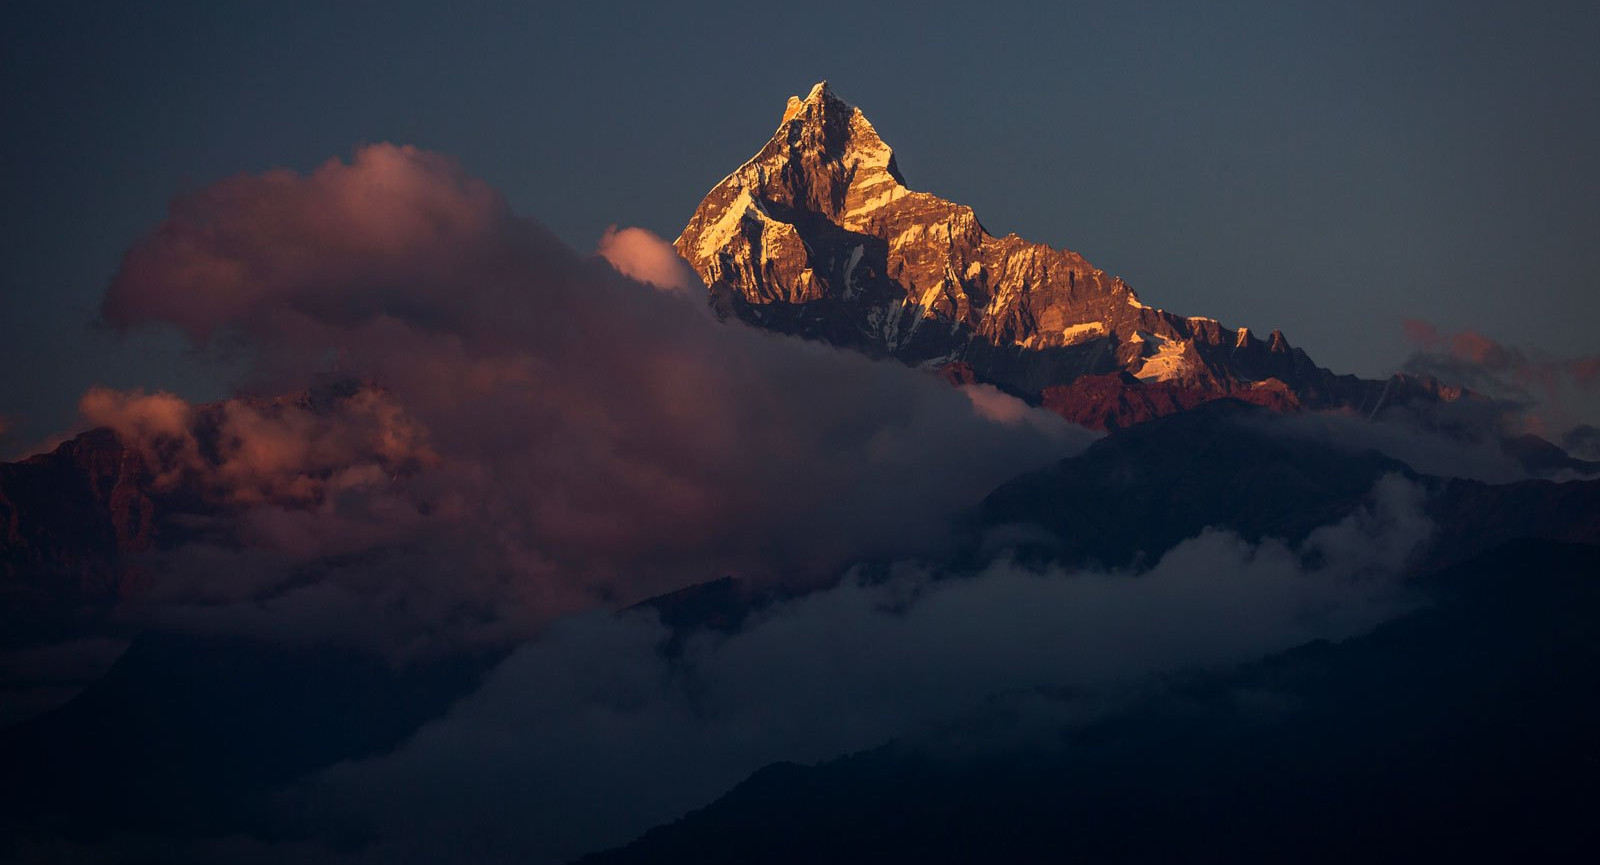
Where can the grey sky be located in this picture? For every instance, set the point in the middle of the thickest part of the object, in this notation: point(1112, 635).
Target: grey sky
point(1329, 169)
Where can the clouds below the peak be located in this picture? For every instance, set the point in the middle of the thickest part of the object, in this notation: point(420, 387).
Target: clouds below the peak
point(573, 436)
point(591, 735)
point(640, 255)
point(1556, 393)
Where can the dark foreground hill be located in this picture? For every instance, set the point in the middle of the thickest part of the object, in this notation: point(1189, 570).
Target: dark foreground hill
point(1465, 730)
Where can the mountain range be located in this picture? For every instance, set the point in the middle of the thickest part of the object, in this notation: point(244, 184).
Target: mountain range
point(1473, 704)
point(819, 236)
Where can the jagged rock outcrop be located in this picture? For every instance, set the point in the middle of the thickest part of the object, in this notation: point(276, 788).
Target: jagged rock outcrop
point(69, 517)
point(76, 523)
point(818, 236)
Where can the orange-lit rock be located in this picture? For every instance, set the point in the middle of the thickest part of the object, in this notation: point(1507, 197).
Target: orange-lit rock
point(819, 236)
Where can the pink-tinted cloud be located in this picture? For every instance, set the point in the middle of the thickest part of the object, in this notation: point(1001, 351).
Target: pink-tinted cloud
point(244, 452)
point(590, 439)
point(278, 250)
point(135, 415)
point(1562, 389)
point(1474, 346)
point(638, 254)
point(992, 403)
point(159, 425)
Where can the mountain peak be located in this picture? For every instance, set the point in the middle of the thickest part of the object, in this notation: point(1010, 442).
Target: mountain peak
point(820, 98)
point(825, 160)
point(817, 235)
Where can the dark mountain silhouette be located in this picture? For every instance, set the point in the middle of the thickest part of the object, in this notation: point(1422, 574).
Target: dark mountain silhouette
point(186, 732)
point(1226, 464)
point(1464, 730)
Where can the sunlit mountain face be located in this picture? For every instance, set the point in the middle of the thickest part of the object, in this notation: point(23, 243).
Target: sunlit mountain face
point(819, 236)
point(837, 529)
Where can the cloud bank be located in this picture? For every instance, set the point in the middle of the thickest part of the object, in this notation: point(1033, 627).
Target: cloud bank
point(1555, 394)
point(455, 431)
point(590, 735)
point(542, 433)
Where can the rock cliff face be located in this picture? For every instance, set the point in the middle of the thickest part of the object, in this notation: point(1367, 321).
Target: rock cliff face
point(818, 236)
point(77, 523)
point(68, 517)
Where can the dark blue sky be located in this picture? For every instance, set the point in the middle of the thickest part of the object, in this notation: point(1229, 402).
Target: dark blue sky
point(1330, 169)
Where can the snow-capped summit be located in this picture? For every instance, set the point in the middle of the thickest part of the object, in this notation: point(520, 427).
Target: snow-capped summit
point(819, 235)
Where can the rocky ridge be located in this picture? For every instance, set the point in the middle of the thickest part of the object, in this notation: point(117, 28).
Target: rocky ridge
point(819, 236)
point(78, 523)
